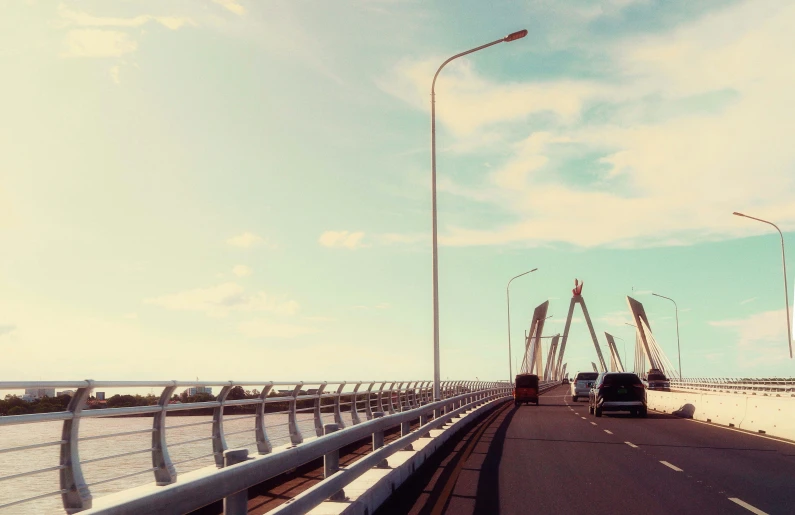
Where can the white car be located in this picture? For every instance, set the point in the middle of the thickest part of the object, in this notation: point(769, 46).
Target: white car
point(581, 386)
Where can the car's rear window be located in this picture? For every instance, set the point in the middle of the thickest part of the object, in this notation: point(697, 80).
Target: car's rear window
point(587, 376)
point(656, 377)
point(611, 379)
point(527, 382)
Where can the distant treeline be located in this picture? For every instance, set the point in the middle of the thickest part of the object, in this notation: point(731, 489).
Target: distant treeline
point(13, 405)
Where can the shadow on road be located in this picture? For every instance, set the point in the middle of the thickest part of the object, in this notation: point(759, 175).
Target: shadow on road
point(488, 490)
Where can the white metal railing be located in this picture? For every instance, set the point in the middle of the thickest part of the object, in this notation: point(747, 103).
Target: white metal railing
point(356, 399)
point(765, 387)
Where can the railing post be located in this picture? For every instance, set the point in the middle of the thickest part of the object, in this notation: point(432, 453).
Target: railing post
point(77, 496)
point(400, 397)
point(381, 397)
point(405, 429)
point(219, 441)
point(337, 412)
point(378, 441)
point(391, 400)
point(165, 473)
point(292, 418)
point(368, 407)
point(318, 415)
point(263, 443)
point(237, 503)
point(331, 462)
point(355, 404)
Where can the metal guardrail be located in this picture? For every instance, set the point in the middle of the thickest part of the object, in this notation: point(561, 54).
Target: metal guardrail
point(391, 397)
point(744, 386)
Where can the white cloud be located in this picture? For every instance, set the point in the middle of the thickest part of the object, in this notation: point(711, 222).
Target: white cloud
point(662, 174)
point(114, 74)
point(218, 301)
point(241, 270)
point(6, 329)
point(266, 329)
point(97, 43)
point(131, 316)
point(379, 306)
point(748, 301)
point(761, 339)
point(69, 17)
point(232, 6)
point(616, 318)
point(320, 319)
point(245, 240)
point(350, 240)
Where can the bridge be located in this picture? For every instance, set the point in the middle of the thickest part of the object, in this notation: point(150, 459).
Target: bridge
point(385, 447)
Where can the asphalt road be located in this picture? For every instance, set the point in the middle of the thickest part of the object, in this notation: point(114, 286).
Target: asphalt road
point(558, 459)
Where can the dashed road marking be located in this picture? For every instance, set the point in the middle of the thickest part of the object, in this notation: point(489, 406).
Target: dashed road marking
point(582, 418)
point(631, 445)
point(608, 432)
point(673, 467)
point(593, 423)
point(747, 506)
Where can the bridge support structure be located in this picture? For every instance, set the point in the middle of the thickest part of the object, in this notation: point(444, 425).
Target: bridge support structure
point(577, 299)
point(646, 346)
point(615, 358)
point(533, 359)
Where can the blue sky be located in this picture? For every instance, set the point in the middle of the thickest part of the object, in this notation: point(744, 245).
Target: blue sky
point(240, 189)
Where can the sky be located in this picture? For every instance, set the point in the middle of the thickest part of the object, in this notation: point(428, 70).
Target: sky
point(240, 189)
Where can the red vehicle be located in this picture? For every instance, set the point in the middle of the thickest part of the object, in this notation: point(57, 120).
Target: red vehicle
point(526, 389)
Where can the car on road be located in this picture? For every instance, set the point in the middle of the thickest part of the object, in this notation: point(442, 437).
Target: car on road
point(656, 380)
point(582, 384)
point(526, 390)
point(618, 391)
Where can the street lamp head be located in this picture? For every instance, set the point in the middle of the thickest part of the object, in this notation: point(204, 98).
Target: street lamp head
point(533, 270)
point(514, 36)
point(737, 214)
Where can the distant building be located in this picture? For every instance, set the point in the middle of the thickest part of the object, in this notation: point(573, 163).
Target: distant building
point(100, 396)
point(190, 392)
point(70, 393)
point(38, 393)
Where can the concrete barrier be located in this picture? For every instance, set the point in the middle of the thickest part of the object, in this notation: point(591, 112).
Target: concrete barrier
point(728, 410)
point(771, 415)
point(684, 404)
point(774, 416)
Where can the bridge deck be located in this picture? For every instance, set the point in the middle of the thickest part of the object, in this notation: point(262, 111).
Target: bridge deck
point(549, 459)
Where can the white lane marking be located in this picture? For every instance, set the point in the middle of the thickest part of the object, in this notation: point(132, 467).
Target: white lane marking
point(747, 506)
point(593, 423)
point(608, 432)
point(673, 467)
point(582, 418)
point(631, 445)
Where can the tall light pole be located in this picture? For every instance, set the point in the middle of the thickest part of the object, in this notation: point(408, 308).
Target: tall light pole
point(508, 295)
point(784, 261)
point(678, 349)
point(436, 373)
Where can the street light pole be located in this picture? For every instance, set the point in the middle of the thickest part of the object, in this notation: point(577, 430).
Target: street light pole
point(508, 295)
point(678, 349)
point(436, 372)
point(784, 261)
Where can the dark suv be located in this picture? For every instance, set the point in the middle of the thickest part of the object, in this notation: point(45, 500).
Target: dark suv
point(657, 380)
point(618, 391)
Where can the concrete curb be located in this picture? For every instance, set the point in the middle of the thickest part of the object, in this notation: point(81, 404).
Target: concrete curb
point(366, 493)
point(774, 416)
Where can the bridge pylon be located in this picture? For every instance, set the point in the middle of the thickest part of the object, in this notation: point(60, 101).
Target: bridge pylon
point(577, 299)
point(533, 358)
